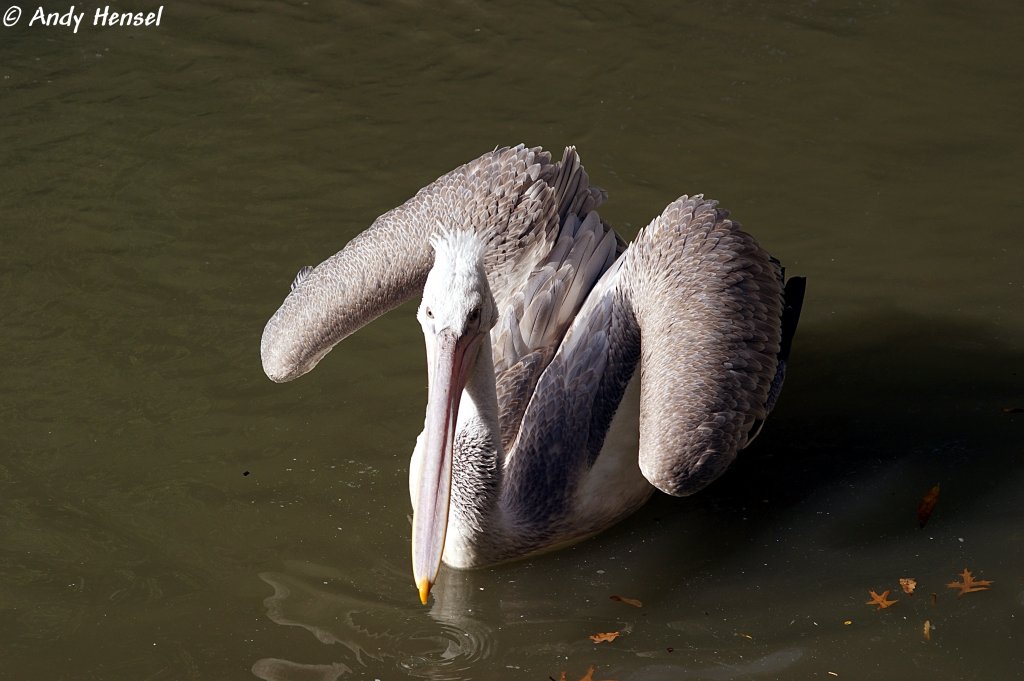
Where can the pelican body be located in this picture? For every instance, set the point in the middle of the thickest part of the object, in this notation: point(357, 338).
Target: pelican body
point(539, 322)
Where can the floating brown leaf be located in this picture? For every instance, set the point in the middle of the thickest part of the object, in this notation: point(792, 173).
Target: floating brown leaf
point(969, 584)
point(628, 601)
point(908, 584)
point(927, 630)
point(881, 601)
point(605, 637)
point(935, 598)
point(927, 505)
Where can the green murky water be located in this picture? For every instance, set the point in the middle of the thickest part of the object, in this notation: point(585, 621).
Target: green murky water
point(167, 513)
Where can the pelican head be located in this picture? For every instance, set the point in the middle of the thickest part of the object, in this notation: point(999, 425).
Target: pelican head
point(457, 314)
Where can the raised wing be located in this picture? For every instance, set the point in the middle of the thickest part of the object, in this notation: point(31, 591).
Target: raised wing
point(699, 306)
point(708, 301)
point(517, 197)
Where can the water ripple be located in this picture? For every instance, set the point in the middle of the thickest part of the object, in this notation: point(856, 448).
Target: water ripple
point(377, 632)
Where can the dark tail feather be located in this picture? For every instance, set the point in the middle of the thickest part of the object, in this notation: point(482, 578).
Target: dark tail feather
point(793, 297)
point(793, 301)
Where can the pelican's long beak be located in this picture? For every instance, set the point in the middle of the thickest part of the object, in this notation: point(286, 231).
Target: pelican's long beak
point(449, 359)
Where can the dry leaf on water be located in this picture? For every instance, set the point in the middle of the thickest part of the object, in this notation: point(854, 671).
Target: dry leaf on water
point(908, 584)
point(605, 637)
point(628, 601)
point(927, 505)
point(927, 630)
point(880, 601)
point(969, 584)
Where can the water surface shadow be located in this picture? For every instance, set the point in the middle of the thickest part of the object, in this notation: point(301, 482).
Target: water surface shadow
point(875, 411)
point(864, 393)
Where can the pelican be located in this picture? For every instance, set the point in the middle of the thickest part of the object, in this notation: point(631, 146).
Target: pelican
point(535, 317)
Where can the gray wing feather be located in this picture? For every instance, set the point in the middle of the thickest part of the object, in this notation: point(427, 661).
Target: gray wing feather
point(536, 320)
point(516, 386)
point(708, 301)
point(572, 406)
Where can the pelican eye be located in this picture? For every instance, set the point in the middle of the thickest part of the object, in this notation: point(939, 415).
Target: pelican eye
point(474, 316)
point(429, 313)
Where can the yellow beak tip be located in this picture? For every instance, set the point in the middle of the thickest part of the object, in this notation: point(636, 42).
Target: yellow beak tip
point(424, 587)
